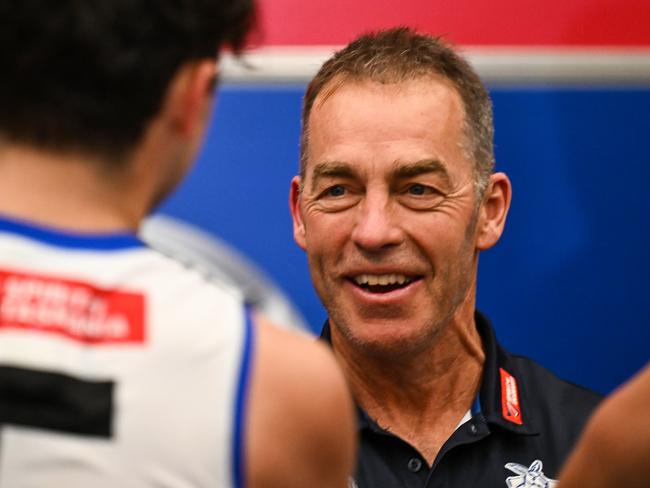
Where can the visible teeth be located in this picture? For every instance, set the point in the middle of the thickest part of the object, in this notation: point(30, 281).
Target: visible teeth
point(385, 279)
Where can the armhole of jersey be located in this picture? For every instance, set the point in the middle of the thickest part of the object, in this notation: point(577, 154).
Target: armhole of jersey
point(239, 462)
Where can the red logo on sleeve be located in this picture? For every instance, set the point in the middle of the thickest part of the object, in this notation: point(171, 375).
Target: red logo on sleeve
point(510, 407)
point(73, 309)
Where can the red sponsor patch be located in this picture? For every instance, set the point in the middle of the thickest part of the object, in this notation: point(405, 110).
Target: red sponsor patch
point(73, 309)
point(510, 407)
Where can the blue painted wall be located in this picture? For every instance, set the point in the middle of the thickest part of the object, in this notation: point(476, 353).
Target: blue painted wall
point(567, 284)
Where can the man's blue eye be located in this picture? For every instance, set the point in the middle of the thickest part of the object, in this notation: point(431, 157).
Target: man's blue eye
point(336, 191)
point(417, 190)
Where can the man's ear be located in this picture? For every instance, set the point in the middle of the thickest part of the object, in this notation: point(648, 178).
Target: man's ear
point(493, 211)
point(190, 95)
point(296, 213)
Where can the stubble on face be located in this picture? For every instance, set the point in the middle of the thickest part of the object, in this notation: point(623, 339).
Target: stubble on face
point(399, 328)
point(423, 338)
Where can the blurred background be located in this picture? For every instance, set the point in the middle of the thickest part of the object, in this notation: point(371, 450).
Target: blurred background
point(568, 283)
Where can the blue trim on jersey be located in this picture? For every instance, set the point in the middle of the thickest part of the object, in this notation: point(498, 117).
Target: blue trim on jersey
point(239, 471)
point(70, 240)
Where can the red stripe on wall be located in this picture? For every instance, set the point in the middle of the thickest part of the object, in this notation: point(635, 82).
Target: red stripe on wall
point(475, 22)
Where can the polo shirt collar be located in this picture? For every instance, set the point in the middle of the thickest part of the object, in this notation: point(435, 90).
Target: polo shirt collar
point(503, 397)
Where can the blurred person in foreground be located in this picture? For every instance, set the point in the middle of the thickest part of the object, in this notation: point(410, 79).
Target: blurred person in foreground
point(396, 198)
point(614, 450)
point(118, 366)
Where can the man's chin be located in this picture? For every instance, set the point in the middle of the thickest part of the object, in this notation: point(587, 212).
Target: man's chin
point(385, 340)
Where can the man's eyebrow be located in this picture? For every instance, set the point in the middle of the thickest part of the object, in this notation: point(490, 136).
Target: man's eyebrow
point(330, 169)
point(417, 168)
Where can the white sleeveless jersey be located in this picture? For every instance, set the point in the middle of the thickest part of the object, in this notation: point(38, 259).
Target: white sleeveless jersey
point(118, 366)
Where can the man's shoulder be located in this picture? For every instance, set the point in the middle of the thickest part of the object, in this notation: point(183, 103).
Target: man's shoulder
point(551, 399)
point(549, 412)
point(618, 434)
point(297, 389)
point(543, 392)
point(546, 384)
point(184, 280)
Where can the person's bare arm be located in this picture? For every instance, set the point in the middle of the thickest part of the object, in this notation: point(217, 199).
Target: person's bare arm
point(614, 450)
point(300, 429)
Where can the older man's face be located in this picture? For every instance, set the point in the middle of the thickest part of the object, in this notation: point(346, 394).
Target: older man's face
point(387, 212)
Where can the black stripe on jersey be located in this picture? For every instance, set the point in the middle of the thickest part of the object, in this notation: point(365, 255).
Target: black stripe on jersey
point(55, 401)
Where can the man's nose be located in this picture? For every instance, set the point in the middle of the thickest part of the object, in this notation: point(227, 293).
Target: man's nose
point(377, 226)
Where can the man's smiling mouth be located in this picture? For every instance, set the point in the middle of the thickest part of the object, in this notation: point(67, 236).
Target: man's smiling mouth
point(382, 283)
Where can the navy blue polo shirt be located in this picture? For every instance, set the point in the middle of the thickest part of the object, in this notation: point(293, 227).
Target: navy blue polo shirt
point(522, 427)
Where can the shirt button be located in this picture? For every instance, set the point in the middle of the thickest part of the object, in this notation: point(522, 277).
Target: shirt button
point(414, 465)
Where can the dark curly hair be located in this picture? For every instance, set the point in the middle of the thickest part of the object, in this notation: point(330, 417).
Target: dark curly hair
point(88, 75)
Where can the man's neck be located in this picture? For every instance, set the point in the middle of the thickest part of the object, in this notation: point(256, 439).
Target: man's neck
point(66, 191)
point(420, 397)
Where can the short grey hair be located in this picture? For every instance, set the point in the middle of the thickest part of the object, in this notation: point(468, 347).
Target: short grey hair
point(401, 54)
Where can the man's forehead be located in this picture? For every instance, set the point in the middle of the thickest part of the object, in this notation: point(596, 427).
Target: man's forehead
point(418, 108)
point(398, 85)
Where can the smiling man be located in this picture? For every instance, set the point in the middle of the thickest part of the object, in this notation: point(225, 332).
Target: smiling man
point(396, 198)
